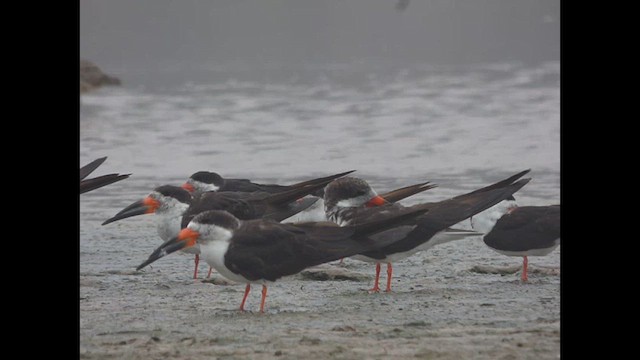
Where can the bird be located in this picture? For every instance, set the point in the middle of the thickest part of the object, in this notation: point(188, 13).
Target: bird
point(100, 181)
point(316, 211)
point(173, 203)
point(350, 200)
point(169, 203)
point(262, 251)
point(514, 230)
point(203, 181)
point(257, 204)
point(394, 196)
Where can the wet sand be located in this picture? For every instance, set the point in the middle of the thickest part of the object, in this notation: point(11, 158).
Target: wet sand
point(445, 304)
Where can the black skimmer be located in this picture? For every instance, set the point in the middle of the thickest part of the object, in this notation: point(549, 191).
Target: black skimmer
point(262, 251)
point(514, 230)
point(97, 182)
point(169, 203)
point(175, 205)
point(203, 181)
point(394, 196)
point(258, 204)
point(316, 211)
point(349, 201)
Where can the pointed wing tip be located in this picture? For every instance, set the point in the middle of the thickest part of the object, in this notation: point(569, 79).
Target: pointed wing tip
point(91, 167)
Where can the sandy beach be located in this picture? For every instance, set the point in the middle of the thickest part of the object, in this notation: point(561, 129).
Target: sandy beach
point(445, 304)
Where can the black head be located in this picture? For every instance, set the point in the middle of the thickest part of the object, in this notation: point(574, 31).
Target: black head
point(348, 188)
point(175, 192)
point(208, 177)
point(219, 218)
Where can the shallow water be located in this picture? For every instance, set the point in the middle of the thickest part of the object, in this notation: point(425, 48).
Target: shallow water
point(460, 127)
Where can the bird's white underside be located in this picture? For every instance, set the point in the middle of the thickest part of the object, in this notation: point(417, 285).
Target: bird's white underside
point(532, 252)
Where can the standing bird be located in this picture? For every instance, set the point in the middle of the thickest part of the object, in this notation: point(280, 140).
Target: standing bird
point(262, 251)
point(350, 201)
point(169, 203)
point(391, 197)
point(172, 203)
point(514, 230)
point(97, 182)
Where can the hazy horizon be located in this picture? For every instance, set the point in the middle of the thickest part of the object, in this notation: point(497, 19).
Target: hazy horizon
point(144, 36)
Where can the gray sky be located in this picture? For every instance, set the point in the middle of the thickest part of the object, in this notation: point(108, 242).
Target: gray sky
point(134, 34)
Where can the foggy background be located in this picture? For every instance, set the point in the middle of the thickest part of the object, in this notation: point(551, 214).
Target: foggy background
point(188, 39)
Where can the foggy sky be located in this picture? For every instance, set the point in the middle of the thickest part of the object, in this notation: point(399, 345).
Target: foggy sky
point(124, 35)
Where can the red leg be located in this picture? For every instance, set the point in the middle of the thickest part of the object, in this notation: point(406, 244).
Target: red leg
point(341, 260)
point(376, 288)
point(195, 272)
point(209, 274)
point(264, 297)
point(246, 293)
point(525, 262)
point(389, 272)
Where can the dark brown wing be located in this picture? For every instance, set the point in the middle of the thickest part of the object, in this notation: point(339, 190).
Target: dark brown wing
point(526, 228)
point(319, 192)
point(90, 167)
point(282, 205)
point(249, 205)
point(245, 185)
point(100, 181)
point(324, 180)
point(268, 250)
point(293, 194)
point(285, 204)
point(279, 213)
point(454, 210)
point(248, 186)
point(236, 203)
point(405, 192)
point(441, 215)
point(501, 183)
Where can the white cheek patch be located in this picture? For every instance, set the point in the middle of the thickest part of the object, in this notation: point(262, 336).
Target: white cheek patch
point(213, 233)
point(178, 208)
point(220, 234)
point(170, 219)
point(205, 187)
point(171, 207)
point(354, 202)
